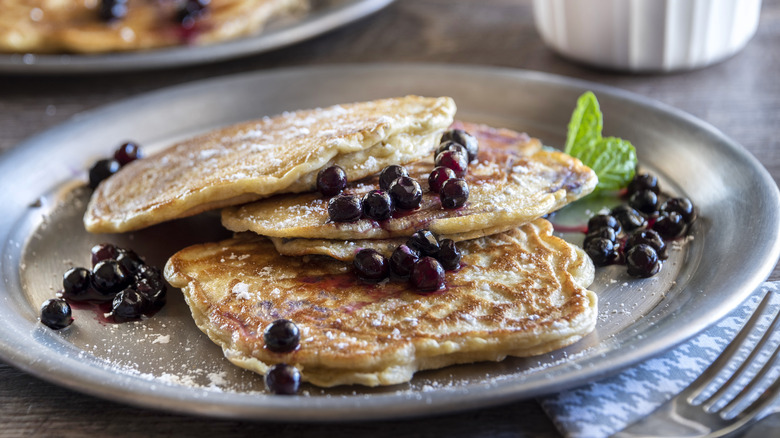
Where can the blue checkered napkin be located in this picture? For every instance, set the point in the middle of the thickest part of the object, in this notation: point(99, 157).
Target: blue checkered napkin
point(602, 408)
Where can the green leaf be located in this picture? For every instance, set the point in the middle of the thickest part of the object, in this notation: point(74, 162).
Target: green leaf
point(613, 159)
point(585, 124)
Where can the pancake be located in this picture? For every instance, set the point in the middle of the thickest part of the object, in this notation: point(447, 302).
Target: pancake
point(345, 250)
point(513, 182)
point(259, 158)
point(46, 26)
point(518, 293)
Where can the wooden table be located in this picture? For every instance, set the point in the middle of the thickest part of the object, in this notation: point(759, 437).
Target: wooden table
point(740, 96)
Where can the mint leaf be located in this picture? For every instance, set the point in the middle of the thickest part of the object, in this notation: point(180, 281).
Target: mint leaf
point(613, 159)
point(585, 124)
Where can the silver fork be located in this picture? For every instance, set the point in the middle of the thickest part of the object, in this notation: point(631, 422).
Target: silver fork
point(685, 416)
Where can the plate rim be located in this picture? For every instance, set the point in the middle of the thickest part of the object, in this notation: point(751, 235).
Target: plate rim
point(428, 403)
point(310, 26)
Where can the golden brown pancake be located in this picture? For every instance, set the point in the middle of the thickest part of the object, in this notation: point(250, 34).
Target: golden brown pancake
point(518, 293)
point(345, 250)
point(513, 182)
point(259, 158)
point(51, 26)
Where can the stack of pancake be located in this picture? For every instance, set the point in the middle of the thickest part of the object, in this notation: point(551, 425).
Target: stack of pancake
point(49, 26)
point(519, 290)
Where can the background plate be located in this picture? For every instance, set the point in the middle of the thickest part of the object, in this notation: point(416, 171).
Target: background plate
point(166, 363)
point(325, 15)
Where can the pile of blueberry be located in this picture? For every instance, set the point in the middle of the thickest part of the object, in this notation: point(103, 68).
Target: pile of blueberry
point(104, 168)
point(282, 336)
point(186, 15)
point(635, 233)
point(119, 277)
point(397, 190)
point(422, 261)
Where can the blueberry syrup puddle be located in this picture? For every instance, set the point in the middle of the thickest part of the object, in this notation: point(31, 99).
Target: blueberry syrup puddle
point(188, 35)
point(102, 311)
point(570, 228)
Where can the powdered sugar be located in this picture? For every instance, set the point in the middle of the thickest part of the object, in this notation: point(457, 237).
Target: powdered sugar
point(162, 339)
point(241, 291)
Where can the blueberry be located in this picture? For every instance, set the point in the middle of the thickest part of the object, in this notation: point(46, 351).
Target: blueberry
point(454, 193)
point(683, 206)
point(370, 265)
point(110, 10)
point(647, 237)
point(406, 193)
point(644, 201)
point(56, 313)
point(101, 170)
point(438, 177)
point(642, 261)
point(148, 272)
point(283, 379)
point(424, 242)
point(108, 278)
point(390, 174)
point(402, 261)
point(331, 180)
point(129, 260)
point(602, 221)
point(643, 181)
point(103, 251)
point(76, 284)
point(603, 233)
point(670, 225)
point(377, 205)
point(427, 275)
point(602, 251)
point(282, 336)
point(629, 218)
point(456, 161)
point(462, 137)
point(128, 305)
point(449, 255)
point(344, 208)
point(154, 291)
point(450, 145)
point(127, 152)
point(191, 11)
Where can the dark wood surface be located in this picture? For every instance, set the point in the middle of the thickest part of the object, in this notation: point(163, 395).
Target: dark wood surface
point(740, 96)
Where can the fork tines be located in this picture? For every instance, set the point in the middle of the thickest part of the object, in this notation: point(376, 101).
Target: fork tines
point(727, 389)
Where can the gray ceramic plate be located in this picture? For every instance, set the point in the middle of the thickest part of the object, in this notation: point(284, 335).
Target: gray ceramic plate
point(165, 362)
point(325, 15)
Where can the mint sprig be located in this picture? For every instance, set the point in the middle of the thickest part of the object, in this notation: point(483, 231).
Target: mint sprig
point(613, 159)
